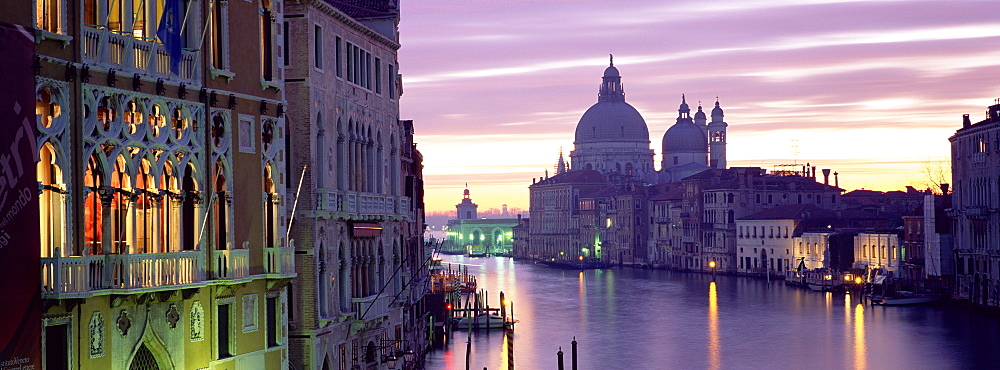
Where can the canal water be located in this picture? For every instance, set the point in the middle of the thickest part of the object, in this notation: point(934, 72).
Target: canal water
point(626, 318)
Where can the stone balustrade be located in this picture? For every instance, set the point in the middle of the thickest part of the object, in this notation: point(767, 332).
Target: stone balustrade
point(130, 55)
point(361, 204)
point(231, 264)
point(79, 276)
point(372, 306)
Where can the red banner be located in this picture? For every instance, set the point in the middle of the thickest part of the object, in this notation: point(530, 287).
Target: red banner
point(20, 263)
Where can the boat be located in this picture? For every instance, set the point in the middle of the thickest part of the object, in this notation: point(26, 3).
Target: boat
point(577, 265)
point(477, 251)
point(904, 298)
point(482, 321)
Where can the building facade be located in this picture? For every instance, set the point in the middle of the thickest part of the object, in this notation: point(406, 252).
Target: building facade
point(356, 178)
point(152, 254)
point(879, 250)
point(975, 166)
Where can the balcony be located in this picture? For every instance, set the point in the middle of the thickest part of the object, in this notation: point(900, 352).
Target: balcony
point(123, 52)
point(360, 205)
point(231, 264)
point(280, 261)
point(83, 276)
point(371, 307)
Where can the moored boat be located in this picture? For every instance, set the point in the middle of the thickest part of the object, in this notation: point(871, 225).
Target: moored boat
point(481, 321)
point(903, 298)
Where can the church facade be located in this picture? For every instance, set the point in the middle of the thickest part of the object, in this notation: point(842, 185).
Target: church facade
point(610, 203)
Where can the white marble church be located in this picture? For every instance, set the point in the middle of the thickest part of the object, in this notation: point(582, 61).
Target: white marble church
point(612, 137)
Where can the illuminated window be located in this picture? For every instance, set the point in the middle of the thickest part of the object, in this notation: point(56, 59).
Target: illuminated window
point(94, 208)
point(219, 41)
point(46, 109)
point(48, 15)
point(51, 203)
point(270, 208)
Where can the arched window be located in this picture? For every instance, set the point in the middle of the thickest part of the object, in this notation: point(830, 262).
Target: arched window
point(50, 203)
point(46, 108)
point(220, 205)
point(270, 208)
point(144, 228)
point(93, 208)
point(121, 185)
point(189, 198)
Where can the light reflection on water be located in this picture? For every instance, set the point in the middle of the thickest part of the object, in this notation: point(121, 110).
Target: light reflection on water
point(650, 319)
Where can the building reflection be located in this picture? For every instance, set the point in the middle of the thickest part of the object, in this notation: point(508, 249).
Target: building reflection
point(714, 345)
point(860, 347)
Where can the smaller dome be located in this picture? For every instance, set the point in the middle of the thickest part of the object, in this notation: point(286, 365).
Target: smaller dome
point(700, 114)
point(684, 137)
point(717, 112)
point(611, 71)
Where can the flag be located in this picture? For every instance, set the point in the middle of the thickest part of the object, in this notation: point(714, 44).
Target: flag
point(169, 33)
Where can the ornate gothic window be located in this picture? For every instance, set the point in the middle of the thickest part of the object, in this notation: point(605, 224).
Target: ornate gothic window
point(51, 203)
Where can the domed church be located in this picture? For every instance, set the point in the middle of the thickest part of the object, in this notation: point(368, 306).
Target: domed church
point(612, 136)
point(692, 145)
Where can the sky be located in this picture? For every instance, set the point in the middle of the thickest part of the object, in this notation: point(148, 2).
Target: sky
point(871, 90)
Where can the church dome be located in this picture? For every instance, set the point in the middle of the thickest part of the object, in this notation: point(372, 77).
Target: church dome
point(684, 137)
point(717, 112)
point(611, 71)
point(612, 121)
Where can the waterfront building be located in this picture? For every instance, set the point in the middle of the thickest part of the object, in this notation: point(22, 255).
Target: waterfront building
point(718, 197)
point(667, 239)
point(161, 196)
point(466, 210)
point(355, 174)
point(519, 237)
point(975, 165)
point(875, 249)
point(466, 233)
point(773, 241)
point(554, 230)
point(939, 258)
point(492, 235)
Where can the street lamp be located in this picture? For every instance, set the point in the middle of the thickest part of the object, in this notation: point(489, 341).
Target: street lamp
point(408, 356)
point(389, 361)
point(711, 265)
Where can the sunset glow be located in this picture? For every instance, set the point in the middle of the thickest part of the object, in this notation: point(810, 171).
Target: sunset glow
point(871, 90)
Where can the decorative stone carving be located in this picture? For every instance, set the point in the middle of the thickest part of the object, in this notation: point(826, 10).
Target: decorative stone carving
point(124, 323)
point(197, 322)
point(96, 334)
point(249, 313)
point(173, 316)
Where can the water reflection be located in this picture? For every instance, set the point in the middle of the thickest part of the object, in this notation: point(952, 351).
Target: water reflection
point(651, 319)
point(860, 348)
point(714, 347)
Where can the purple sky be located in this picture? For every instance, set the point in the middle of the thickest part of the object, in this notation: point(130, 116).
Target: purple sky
point(872, 90)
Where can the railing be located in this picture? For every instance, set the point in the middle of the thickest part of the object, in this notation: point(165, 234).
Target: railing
point(356, 203)
point(370, 307)
point(78, 275)
point(156, 269)
point(231, 264)
point(110, 49)
point(280, 260)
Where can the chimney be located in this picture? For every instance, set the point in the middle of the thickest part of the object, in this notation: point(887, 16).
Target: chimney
point(826, 176)
point(944, 188)
point(965, 121)
point(836, 180)
point(814, 173)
